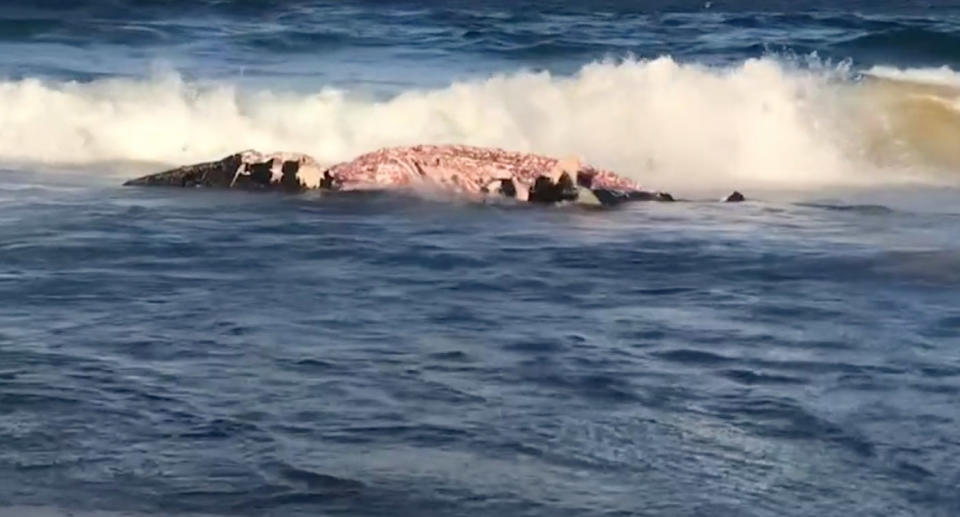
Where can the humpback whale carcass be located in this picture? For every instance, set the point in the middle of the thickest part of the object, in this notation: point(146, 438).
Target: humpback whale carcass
point(474, 172)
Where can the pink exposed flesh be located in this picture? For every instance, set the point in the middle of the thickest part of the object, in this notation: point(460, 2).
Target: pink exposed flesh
point(459, 168)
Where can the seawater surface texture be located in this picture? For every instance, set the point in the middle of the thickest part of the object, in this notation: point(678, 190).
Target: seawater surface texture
point(200, 352)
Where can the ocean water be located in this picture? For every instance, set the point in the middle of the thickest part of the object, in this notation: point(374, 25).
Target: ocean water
point(199, 352)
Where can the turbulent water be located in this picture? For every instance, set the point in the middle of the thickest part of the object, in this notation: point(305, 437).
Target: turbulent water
point(222, 353)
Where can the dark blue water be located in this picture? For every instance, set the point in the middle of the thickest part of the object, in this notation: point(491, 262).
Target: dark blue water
point(417, 42)
point(225, 353)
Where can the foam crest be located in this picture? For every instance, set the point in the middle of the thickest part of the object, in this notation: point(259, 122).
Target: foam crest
point(942, 76)
point(762, 123)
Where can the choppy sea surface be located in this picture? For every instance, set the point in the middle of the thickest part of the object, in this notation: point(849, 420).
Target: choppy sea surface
point(199, 352)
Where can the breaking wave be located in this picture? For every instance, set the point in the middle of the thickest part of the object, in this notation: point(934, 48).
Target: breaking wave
point(764, 122)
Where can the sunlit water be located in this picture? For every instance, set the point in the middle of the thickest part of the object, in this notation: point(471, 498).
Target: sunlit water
point(186, 351)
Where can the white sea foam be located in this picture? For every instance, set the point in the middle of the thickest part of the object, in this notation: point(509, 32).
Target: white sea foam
point(762, 122)
point(944, 76)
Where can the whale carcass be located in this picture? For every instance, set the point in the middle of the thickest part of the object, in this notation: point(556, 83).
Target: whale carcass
point(473, 172)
